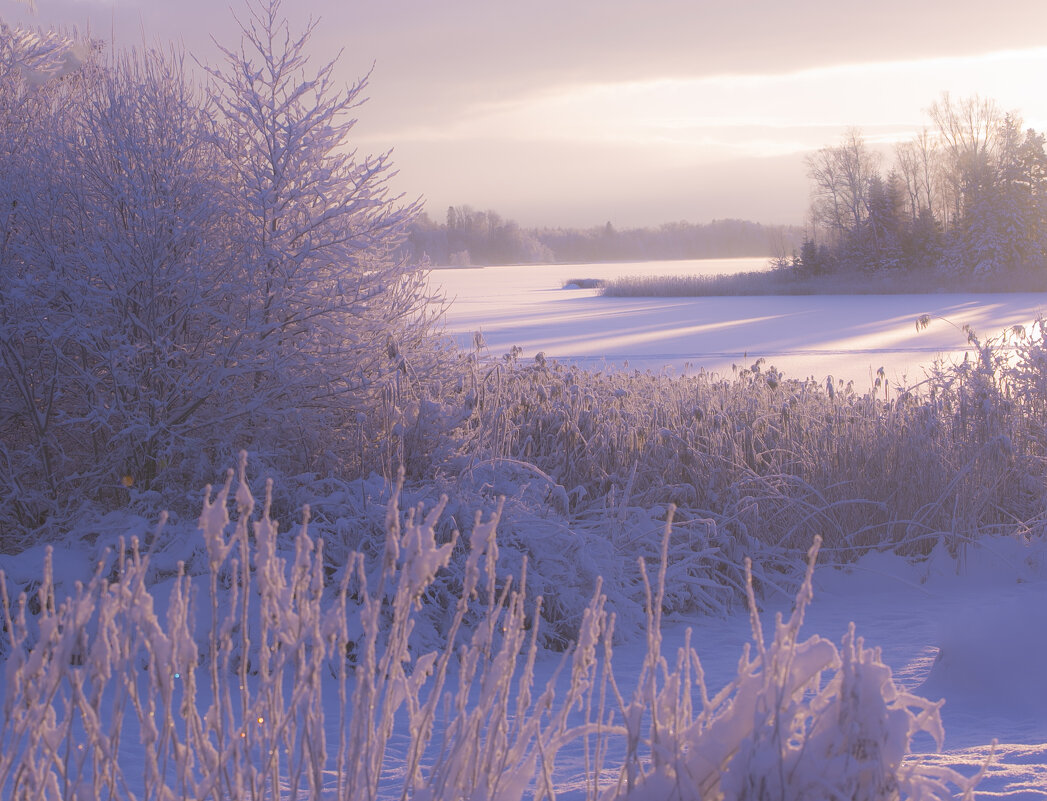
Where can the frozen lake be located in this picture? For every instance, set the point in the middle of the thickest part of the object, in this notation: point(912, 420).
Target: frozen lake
point(848, 337)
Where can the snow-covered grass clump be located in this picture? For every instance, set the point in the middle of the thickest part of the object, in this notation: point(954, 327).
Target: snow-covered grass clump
point(271, 684)
point(762, 461)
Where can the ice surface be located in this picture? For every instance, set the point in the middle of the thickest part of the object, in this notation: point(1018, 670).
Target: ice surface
point(848, 337)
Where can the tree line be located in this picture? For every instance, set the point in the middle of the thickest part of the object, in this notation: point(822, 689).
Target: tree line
point(966, 196)
point(471, 237)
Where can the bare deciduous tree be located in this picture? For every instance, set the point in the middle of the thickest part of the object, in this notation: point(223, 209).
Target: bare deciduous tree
point(841, 176)
point(968, 131)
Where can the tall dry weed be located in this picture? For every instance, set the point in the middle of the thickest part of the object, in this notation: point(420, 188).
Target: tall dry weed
point(294, 689)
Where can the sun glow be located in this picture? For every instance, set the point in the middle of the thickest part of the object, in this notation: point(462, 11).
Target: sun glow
point(712, 117)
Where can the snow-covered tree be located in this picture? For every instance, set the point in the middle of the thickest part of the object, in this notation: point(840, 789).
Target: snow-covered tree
point(968, 130)
point(885, 221)
point(840, 186)
point(334, 314)
point(1004, 214)
point(918, 164)
point(39, 297)
point(973, 191)
point(185, 273)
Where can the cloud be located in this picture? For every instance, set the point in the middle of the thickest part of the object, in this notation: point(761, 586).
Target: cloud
point(745, 114)
point(621, 108)
point(457, 52)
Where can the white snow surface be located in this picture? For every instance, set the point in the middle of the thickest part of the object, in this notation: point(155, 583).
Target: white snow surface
point(971, 630)
point(848, 337)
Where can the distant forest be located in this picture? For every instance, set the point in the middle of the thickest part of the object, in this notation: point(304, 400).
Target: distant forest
point(468, 237)
point(965, 197)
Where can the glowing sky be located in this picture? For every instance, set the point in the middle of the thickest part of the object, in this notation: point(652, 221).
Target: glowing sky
point(576, 112)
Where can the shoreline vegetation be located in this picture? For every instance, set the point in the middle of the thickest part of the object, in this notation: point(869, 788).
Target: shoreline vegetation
point(786, 281)
point(960, 208)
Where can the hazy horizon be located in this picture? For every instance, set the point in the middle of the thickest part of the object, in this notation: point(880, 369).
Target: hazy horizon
point(633, 113)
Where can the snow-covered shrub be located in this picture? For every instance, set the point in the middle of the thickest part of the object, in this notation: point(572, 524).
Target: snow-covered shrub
point(269, 684)
point(564, 557)
point(780, 729)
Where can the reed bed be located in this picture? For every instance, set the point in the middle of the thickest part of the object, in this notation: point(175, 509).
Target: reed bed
point(585, 465)
point(772, 461)
point(793, 281)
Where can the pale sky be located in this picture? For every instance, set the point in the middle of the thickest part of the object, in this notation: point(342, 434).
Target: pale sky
point(637, 112)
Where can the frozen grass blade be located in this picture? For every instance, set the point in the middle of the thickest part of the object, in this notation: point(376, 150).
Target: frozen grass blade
point(94, 676)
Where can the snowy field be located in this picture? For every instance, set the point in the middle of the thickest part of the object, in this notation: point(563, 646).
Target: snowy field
point(848, 337)
point(325, 630)
point(972, 632)
point(986, 619)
